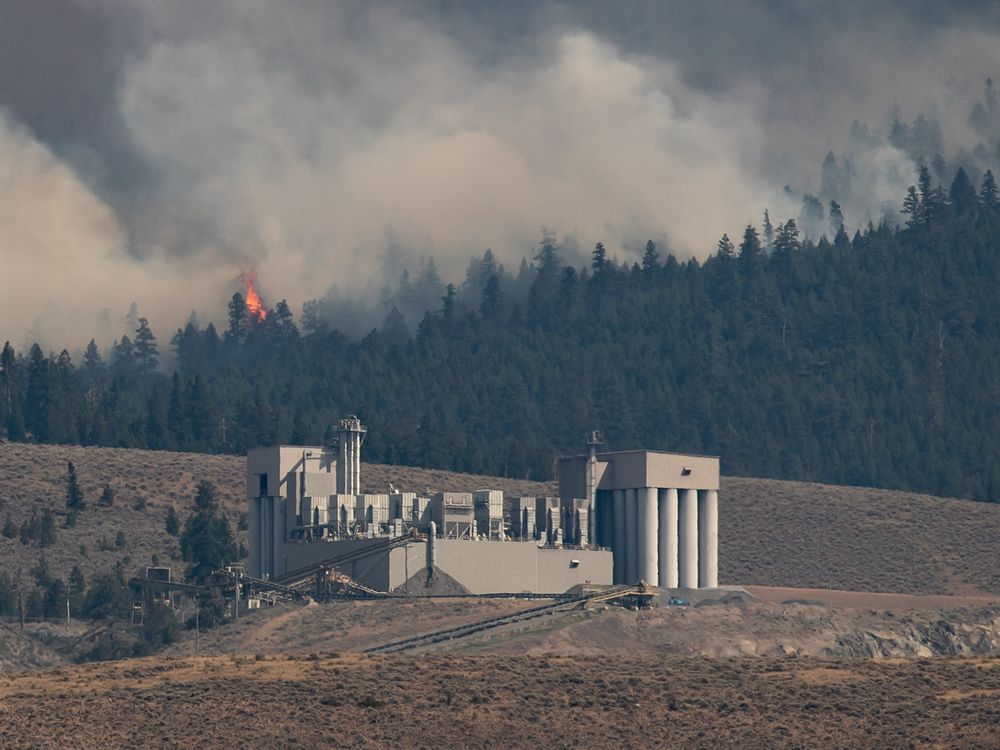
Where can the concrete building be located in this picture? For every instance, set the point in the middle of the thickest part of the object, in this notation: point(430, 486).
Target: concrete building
point(619, 517)
point(305, 507)
point(658, 511)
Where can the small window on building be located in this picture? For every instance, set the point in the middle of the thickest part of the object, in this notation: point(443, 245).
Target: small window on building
point(686, 471)
point(262, 490)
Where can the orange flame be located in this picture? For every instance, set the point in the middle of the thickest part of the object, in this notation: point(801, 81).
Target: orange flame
point(255, 306)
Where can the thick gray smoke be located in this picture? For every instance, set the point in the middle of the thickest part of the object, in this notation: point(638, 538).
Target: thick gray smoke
point(171, 146)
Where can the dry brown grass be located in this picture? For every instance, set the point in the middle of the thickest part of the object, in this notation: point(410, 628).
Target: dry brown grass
point(773, 533)
point(32, 478)
point(329, 700)
point(779, 533)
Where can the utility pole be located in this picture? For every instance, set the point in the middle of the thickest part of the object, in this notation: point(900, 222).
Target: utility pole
point(67, 611)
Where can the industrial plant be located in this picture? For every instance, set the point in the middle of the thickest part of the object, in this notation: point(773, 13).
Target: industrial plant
point(619, 518)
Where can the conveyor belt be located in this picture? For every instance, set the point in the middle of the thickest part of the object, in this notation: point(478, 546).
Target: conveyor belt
point(462, 631)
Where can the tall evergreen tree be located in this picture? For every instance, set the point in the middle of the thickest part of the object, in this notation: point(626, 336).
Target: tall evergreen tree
point(725, 248)
point(147, 356)
point(74, 495)
point(207, 543)
point(750, 247)
point(989, 197)
point(600, 258)
point(239, 320)
point(651, 257)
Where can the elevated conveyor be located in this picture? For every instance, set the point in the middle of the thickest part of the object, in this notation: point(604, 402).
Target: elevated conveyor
point(463, 631)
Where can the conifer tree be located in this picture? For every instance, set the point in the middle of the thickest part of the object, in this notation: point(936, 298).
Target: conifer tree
point(146, 354)
point(651, 257)
point(207, 542)
point(74, 495)
point(750, 247)
point(989, 197)
point(725, 248)
point(172, 524)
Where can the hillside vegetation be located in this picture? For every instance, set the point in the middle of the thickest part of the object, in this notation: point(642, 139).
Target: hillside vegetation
point(772, 532)
point(347, 700)
point(871, 360)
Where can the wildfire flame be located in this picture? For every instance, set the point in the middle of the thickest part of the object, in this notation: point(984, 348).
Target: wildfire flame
point(255, 306)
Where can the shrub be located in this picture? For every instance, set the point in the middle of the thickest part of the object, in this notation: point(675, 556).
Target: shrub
point(173, 523)
point(107, 496)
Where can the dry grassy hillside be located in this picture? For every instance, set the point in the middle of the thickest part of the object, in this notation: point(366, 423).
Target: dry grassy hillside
point(772, 532)
point(347, 700)
point(33, 477)
point(779, 533)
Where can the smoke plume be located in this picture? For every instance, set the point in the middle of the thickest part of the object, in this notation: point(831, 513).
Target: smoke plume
point(183, 144)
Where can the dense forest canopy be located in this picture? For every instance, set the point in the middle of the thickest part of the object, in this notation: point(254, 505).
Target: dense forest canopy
point(871, 360)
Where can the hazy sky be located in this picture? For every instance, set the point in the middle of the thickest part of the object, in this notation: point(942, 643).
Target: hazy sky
point(153, 150)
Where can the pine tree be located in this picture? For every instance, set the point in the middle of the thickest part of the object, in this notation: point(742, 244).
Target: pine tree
point(77, 589)
point(725, 248)
point(207, 543)
point(651, 257)
point(912, 207)
point(107, 498)
point(47, 532)
point(989, 197)
point(281, 322)
point(750, 247)
point(239, 320)
point(177, 423)
point(492, 299)
point(173, 524)
point(146, 354)
point(768, 232)
point(74, 495)
point(157, 431)
point(836, 218)
point(123, 362)
point(600, 258)
point(38, 396)
point(94, 375)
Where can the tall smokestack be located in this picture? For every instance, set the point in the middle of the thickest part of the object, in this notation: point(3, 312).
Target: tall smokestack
point(350, 434)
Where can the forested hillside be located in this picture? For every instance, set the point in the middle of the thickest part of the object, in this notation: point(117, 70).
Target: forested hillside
point(872, 360)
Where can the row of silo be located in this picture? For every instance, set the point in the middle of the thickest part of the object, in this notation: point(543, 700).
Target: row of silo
point(664, 536)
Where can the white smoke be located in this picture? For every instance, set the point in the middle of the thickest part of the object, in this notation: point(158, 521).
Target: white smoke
point(591, 142)
point(286, 137)
point(64, 256)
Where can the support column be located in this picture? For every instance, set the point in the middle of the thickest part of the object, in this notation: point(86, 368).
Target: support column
point(647, 536)
point(708, 539)
point(688, 539)
point(667, 547)
point(620, 558)
point(631, 536)
point(357, 462)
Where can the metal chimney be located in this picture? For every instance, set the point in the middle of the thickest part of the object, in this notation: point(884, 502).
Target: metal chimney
point(350, 434)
